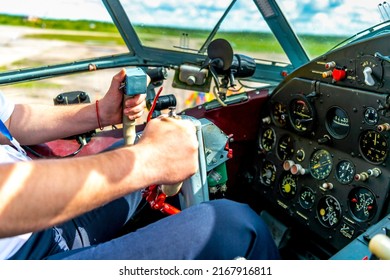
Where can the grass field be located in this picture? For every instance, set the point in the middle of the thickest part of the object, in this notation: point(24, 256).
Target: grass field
point(106, 33)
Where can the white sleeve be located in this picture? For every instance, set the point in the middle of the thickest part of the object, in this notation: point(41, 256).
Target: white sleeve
point(6, 108)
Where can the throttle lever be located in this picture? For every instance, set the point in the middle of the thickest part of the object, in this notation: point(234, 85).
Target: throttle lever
point(379, 245)
point(171, 190)
point(135, 83)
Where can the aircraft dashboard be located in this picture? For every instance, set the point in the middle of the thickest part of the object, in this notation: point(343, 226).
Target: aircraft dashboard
point(323, 143)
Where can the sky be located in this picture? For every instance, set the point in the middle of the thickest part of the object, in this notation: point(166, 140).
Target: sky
point(306, 16)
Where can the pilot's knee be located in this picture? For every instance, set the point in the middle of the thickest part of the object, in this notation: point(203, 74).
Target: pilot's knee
point(239, 224)
point(233, 211)
point(235, 216)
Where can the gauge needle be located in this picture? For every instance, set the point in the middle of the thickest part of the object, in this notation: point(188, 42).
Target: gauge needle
point(375, 139)
point(316, 166)
point(302, 114)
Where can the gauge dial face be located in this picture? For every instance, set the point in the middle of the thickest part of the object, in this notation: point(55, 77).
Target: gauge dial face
point(268, 173)
point(362, 204)
point(279, 114)
point(301, 114)
point(285, 148)
point(307, 198)
point(373, 146)
point(288, 186)
point(345, 171)
point(337, 122)
point(329, 211)
point(371, 116)
point(321, 164)
point(267, 139)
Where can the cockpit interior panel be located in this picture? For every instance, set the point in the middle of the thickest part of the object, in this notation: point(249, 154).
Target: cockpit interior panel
point(323, 143)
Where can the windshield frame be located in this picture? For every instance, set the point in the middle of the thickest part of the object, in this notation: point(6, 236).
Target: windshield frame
point(271, 71)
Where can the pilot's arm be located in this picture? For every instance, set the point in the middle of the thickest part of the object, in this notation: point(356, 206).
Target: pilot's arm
point(42, 193)
point(35, 124)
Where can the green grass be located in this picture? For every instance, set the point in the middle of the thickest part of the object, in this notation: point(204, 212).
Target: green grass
point(98, 39)
point(83, 25)
point(106, 33)
point(248, 41)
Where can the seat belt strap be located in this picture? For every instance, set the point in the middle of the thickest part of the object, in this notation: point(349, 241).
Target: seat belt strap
point(4, 130)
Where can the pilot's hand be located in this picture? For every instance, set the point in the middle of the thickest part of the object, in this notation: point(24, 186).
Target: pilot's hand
point(174, 147)
point(110, 106)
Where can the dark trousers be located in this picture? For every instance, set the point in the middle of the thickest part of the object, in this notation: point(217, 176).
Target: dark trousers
point(219, 229)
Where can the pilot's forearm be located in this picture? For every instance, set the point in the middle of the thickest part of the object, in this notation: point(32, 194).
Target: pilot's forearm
point(41, 193)
point(34, 124)
point(38, 194)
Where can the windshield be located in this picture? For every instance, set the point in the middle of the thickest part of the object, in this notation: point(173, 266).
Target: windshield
point(37, 33)
point(319, 25)
point(187, 25)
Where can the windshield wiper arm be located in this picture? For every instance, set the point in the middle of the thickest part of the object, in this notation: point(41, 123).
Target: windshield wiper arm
point(216, 28)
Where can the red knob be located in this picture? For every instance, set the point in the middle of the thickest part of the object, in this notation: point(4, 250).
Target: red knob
point(339, 74)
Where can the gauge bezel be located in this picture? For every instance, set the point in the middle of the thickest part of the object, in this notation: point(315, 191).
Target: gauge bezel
point(309, 123)
point(339, 211)
point(274, 118)
point(329, 120)
point(367, 120)
point(337, 175)
point(353, 213)
point(261, 138)
point(302, 202)
point(289, 154)
point(364, 153)
point(294, 188)
point(328, 169)
point(273, 174)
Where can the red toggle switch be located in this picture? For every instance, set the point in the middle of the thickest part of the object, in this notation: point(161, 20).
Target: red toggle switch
point(227, 148)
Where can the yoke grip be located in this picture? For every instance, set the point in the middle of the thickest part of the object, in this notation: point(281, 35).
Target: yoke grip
point(135, 83)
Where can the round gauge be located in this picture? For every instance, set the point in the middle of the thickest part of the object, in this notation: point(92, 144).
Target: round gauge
point(285, 148)
point(288, 186)
point(301, 114)
point(307, 198)
point(373, 146)
point(279, 114)
point(268, 173)
point(321, 164)
point(337, 122)
point(329, 211)
point(345, 171)
point(371, 116)
point(267, 139)
point(362, 204)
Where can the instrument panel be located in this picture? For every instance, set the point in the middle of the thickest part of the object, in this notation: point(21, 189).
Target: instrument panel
point(323, 145)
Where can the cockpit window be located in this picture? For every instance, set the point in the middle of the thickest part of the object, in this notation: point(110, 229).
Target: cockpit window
point(188, 26)
point(64, 31)
point(322, 25)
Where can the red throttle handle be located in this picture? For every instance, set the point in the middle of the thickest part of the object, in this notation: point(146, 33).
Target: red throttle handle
point(156, 199)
